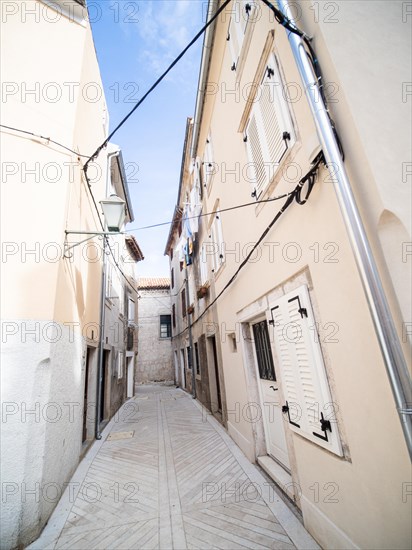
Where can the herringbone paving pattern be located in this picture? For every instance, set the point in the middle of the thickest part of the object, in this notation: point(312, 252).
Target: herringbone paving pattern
point(175, 484)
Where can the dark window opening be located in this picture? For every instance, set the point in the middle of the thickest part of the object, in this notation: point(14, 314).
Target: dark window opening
point(197, 359)
point(189, 358)
point(183, 303)
point(263, 351)
point(165, 326)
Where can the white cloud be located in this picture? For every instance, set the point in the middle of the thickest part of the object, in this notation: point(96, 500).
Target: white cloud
point(165, 28)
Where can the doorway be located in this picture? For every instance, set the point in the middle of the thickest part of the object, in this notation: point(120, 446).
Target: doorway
point(269, 394)
point(89, 358)
point(130, 376)
point(176, 360)
point(182, 369)
point(103, 380)
point(215, 391)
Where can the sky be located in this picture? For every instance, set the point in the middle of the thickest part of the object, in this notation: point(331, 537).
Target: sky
point(135, 42)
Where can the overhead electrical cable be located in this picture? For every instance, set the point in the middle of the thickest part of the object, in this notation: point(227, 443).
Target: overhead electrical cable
point(45, 138)
point(295, 195)
point(158, 81)
point(213, 212)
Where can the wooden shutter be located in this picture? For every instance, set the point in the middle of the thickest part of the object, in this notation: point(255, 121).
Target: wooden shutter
point(269, 131)
point(243, 12)
point(208, 166)
point(219, 235)
point(204, 273)
point(216, 237)
point(308, 404)
point(254, 139)
point(233, 37)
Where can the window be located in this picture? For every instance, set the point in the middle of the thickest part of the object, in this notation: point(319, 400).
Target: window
point(165, 326)
point(120, 365)
point(198, 180)
point(241, 21)
point(269, 130)
point(131, 310)
point(183, 297)
point(172, 277)
point(109, 274)
point(263, 351)
point(197, 359)
point(208, 164)
point(189, 358)
point(203, 270)
point(216, 237)
point(308, 404)
point(174, 315)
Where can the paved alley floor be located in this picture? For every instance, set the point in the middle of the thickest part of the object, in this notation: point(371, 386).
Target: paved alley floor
point(166, 475)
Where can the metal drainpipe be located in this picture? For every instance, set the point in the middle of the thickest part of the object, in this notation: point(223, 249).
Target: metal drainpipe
point(190, 338)
point(98, 435)
point(378, 305)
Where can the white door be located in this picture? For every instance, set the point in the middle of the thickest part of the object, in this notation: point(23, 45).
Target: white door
point(130, 377)
point(273, 418)
point(182, 369)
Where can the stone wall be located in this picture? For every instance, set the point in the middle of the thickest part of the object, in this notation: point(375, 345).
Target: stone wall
point(154, 360)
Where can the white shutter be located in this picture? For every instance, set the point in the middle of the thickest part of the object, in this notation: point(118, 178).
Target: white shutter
point(208, 165)
point(269, 130)
point(219, 232)
point(233, 37)
point(216, 236)
point(254, 139)
point(204, 272)
point(308, 404)
point(243, 12)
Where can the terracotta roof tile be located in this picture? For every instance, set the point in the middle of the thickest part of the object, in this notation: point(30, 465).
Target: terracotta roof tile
point(154, 282)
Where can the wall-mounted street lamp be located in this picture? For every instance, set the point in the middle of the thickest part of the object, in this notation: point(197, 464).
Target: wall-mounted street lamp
point(114, 212)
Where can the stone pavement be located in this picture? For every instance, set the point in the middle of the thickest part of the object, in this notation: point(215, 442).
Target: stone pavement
point(166, 475)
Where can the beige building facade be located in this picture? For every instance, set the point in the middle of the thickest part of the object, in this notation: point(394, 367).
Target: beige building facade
point(292, 364)
point(58, 366)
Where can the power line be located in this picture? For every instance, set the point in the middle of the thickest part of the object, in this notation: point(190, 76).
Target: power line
point(214, 212)
point(310, 179)
point(43, 137)
point(158, 81)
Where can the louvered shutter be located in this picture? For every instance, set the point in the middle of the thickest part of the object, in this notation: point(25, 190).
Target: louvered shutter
point(204, 272)
point(219, 234)
point(308, 404)
point(257, 172)
point(217, 240)
point(269, 130)
point(208, 165)
point(243, 12)
point(234, 37)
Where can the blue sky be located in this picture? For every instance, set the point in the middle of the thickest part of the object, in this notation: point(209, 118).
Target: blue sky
point(135, 42)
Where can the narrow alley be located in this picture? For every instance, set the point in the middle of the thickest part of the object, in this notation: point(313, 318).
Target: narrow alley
point(166, 475)
point(206, 256)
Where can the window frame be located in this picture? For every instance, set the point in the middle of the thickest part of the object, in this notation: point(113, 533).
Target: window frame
point(119, 365)
point(258, 141)
point(168, 326)
point(183, 302)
